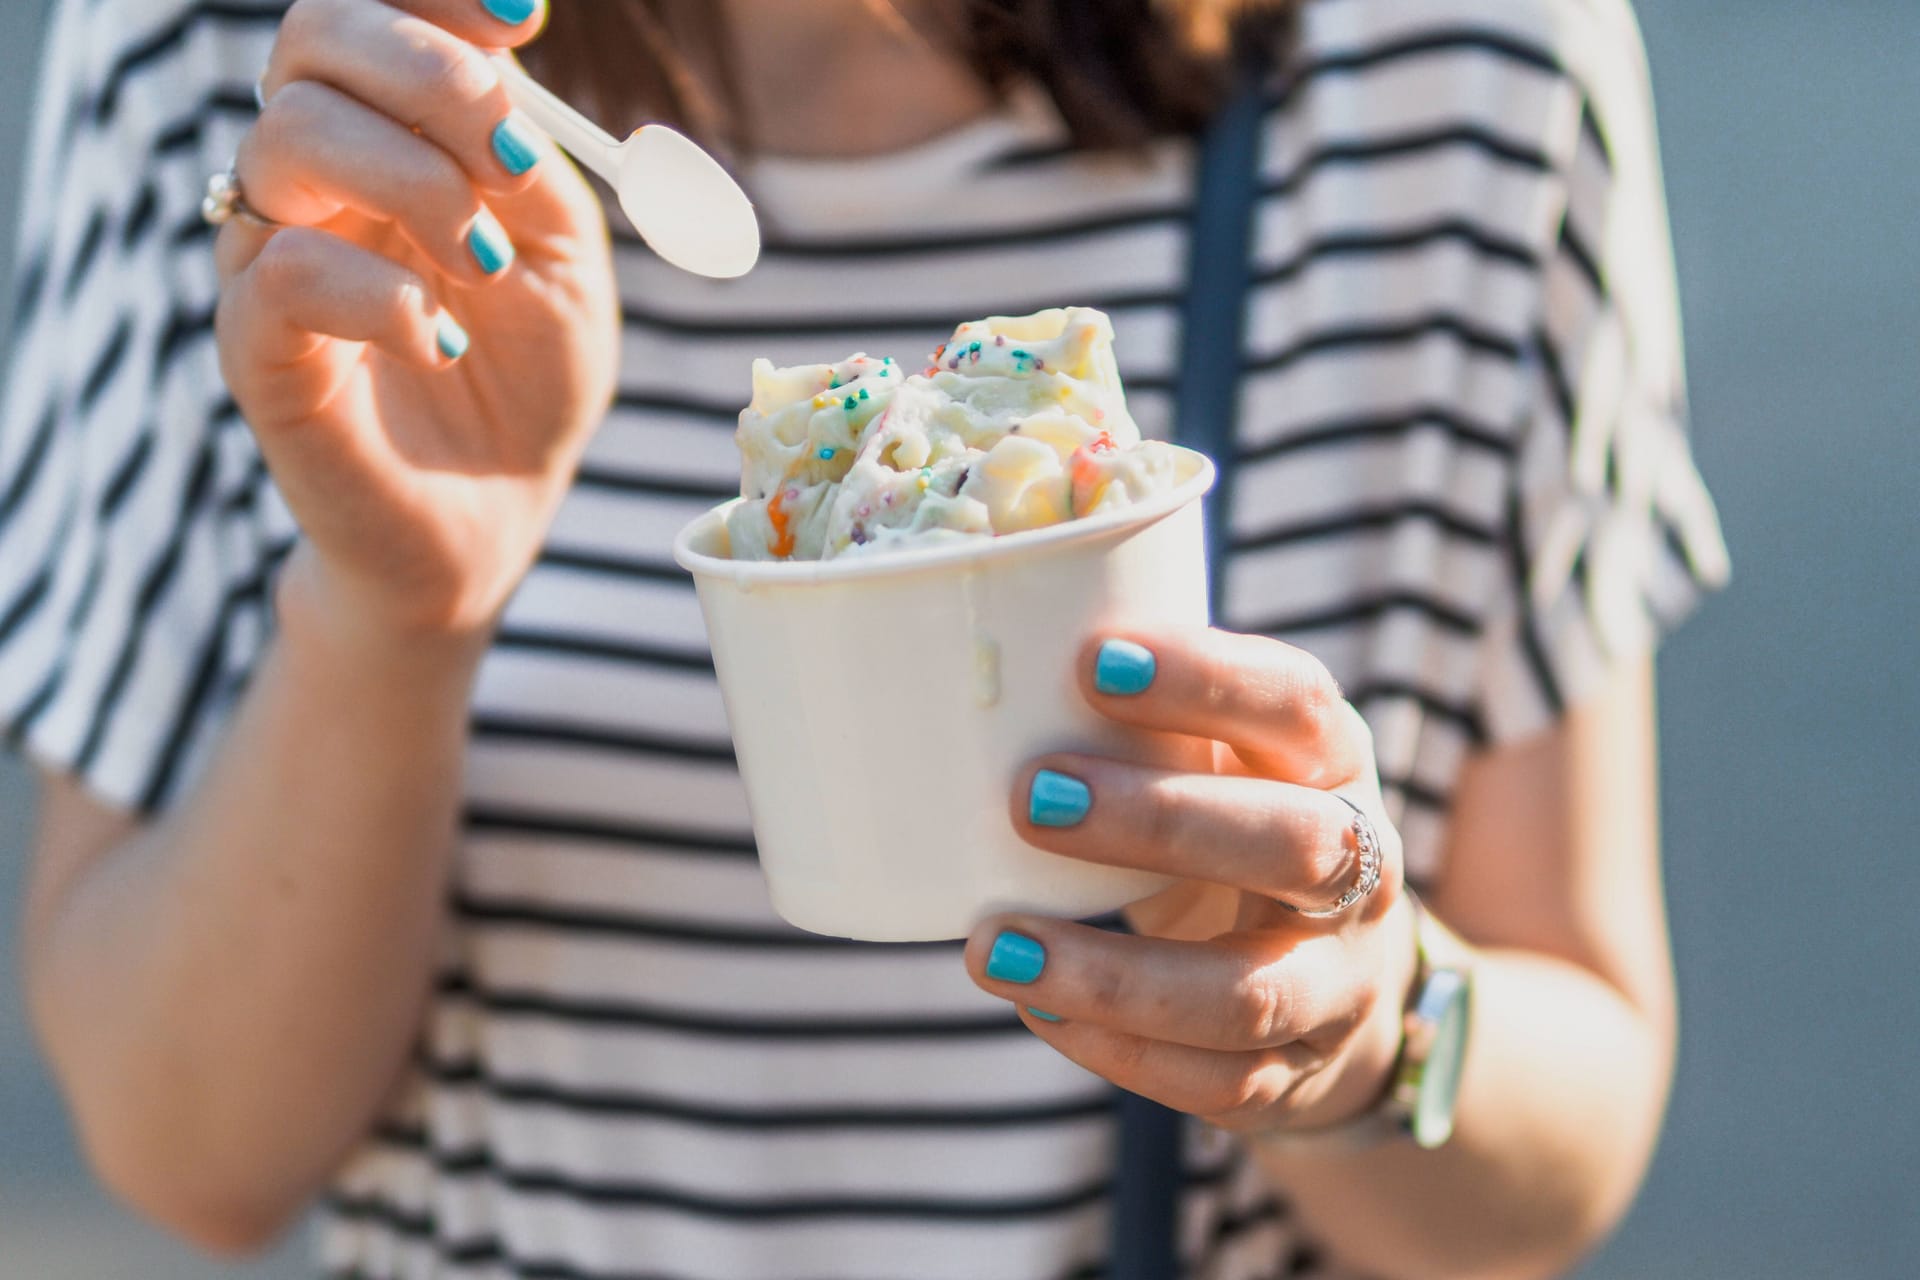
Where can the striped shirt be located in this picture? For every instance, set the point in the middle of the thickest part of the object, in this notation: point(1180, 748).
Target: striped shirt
point(1461, 478)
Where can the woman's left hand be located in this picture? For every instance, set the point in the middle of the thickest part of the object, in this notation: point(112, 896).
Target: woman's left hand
point(1225, 1003)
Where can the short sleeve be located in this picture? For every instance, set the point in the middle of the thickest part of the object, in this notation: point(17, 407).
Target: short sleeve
point(1610, 533)
point(138, 530)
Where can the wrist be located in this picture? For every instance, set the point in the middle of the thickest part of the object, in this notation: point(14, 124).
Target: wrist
point(321, 618)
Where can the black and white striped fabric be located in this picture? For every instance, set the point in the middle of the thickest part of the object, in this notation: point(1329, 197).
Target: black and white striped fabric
point(1462, 480)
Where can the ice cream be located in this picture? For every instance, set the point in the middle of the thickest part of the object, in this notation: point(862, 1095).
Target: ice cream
point(859, 604)
point(1016, 423)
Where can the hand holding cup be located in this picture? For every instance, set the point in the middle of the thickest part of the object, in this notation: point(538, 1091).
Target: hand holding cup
point(1234, 999)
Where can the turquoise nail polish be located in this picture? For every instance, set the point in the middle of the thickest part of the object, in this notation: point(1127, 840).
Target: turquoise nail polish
point(514, 145)
point(1043, 1015)
point(1123, 668)
point(511, 12)
point(489, 244)
point(1056, 800)
point(1015, 958)
point(450, 337)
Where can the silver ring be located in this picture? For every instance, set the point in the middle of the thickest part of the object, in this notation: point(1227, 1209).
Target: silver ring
point(1366, 878)
point(225, 201)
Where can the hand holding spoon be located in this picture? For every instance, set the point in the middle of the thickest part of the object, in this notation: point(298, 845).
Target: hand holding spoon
point(683, 204)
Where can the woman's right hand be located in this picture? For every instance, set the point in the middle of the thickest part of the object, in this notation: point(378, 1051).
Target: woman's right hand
point(423, 476)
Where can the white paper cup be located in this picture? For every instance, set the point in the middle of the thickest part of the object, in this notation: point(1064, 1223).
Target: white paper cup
point(882, 707)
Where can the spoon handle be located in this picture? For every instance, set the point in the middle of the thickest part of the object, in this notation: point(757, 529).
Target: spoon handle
point(591, 145)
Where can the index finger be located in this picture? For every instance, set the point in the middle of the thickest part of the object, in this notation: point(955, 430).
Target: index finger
point(424, 64)
point(1276, 705)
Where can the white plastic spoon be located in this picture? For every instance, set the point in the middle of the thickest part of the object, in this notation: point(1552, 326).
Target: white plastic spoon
point(683, 204)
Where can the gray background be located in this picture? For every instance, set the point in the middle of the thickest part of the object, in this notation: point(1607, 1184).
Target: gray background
point(1788, 705)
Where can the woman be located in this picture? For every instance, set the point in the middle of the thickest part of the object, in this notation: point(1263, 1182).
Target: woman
point(408, 865)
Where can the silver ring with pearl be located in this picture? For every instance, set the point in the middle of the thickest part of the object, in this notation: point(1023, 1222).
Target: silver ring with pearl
point(225, 201)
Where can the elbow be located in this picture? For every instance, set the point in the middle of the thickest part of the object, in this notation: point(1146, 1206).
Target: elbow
point(1547, 1249)
point(1597, 1194)
point(170, 1164)
point(1580, 1190)
point(1582, 1238)
point(223, 1217)
point(1570, 1249)
point(1592, 1213)
point(182, 1166)
point(189, 1192)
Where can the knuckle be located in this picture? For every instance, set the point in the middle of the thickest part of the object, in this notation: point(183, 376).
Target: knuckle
point(442, 69)
point(407, 296)
point(1326, 858)
point(1105, 991)
point(1239, 1102)
point(305, 23)
point(438, 178)
point(284, 267)
point(424, 188)
point(1128, 1054)
point(1365, 1002)
point(310, 25)
point(1315, 699)
point(1259, 1010)
point(1221, 682)
point(267, 136)
point(290, 115)
point(257, 138)
point(1167, 817)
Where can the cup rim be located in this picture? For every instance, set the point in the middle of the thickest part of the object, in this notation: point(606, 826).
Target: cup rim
point(944, 555)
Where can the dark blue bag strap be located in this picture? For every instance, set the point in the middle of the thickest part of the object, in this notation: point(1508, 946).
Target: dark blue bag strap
point(1220, 252)
point(1147, 1183)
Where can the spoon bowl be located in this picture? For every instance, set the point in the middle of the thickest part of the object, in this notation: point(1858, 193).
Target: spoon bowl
point(686, 207)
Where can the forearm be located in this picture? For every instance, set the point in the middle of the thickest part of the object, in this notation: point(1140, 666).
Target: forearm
point(1561, 1103)
point(226, 996)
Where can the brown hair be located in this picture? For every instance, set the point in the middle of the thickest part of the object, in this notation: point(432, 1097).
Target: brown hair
point(1118, 71)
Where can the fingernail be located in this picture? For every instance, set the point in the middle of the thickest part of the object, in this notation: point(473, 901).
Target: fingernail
point(1015, 958)
point(1043, 1015)
point(489, 244)
point(511, 12)
point(1056, 800)
point(450, 337)
point(1123, 668)
point(514, 145)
